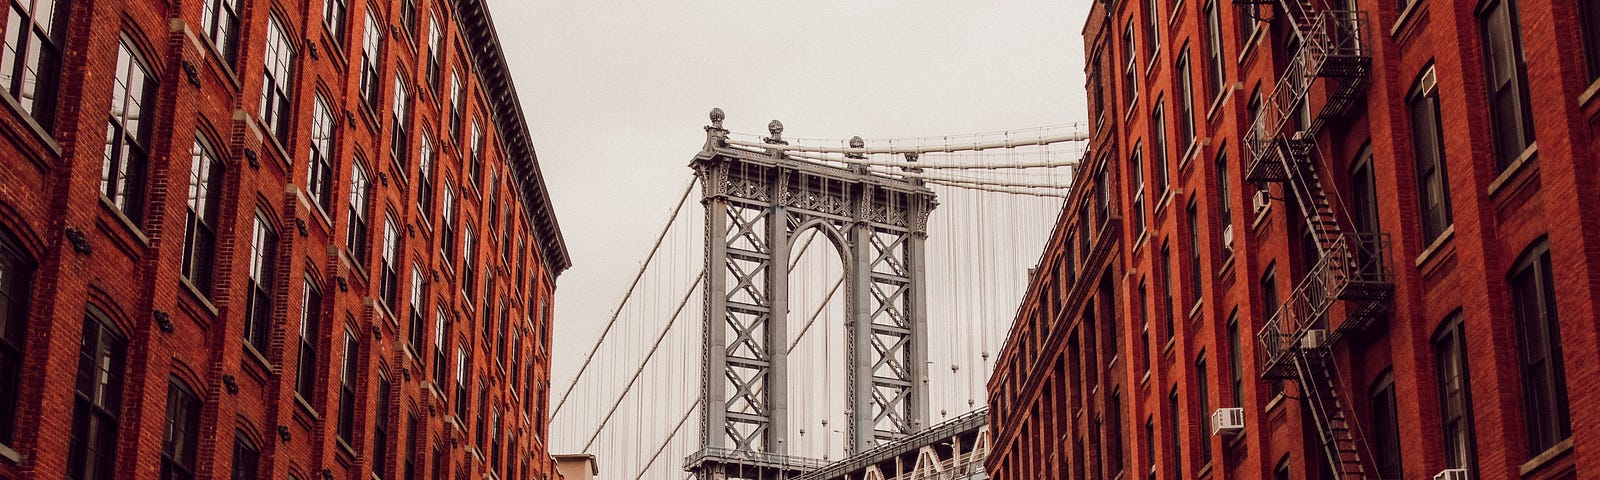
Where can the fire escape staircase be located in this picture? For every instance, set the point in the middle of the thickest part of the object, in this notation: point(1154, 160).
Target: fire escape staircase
point(1332, 65)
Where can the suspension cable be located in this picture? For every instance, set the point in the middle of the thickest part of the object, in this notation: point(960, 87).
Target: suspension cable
point(625, 296)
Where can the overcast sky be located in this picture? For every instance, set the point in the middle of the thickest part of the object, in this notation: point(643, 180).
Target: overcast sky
point(616, 92)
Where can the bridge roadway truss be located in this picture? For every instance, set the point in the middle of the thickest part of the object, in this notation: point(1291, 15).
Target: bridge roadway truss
point(757, 201)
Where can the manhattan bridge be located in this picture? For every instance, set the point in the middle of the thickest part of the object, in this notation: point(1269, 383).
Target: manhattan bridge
point(829, 310)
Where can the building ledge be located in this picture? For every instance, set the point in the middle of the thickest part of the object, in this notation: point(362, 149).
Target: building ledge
point(1547, 458)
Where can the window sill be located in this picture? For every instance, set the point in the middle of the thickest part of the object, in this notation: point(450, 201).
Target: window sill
point(1145, 380)
point(1437, 245)
point(123, 220)
point(1261, 218)
point(221, 60)
point(1275, 402)
point(347, 453)
point(1205, 470)
point(1150, 66)
point(1194, 311)
point(39, 132)
point(306, 408)
point(1247, 49)
point(1227, 265)
point(194, 292)
point(1512, 171)
point(1222, 99)
point(261, 360)
point(1189, 154)
point(1589, 94)
point(12, 456)
point(1127, 117)
point(1172, 342)
point(1544, 459)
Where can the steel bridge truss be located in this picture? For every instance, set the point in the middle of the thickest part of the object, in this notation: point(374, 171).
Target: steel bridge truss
point(757, 201)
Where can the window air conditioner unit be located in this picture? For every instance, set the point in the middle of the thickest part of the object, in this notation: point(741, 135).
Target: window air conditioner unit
point(1261, 201)
point(1227, 237)
point(1452, 474)
point(1314, 339)
point(1227, 421)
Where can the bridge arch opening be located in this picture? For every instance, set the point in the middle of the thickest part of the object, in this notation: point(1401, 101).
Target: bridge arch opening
point(817, 390)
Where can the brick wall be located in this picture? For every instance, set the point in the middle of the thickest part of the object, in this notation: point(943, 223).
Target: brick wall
point(130, 267)
point(1498, 215)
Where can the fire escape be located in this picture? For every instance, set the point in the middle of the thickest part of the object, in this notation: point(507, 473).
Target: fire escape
point(1352, 278)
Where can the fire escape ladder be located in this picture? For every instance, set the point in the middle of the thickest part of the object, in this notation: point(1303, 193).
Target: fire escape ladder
point(1336, 429)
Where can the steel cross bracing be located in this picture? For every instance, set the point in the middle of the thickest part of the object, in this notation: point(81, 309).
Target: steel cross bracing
point(757, 200)
point(1353, 267)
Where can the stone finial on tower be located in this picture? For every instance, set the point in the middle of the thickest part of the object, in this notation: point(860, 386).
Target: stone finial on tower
point(776, 128)
point(717, 117)
point(715, 134)
point(856, 142)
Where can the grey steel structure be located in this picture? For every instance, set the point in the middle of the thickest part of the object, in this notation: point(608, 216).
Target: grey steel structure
point(757, 201)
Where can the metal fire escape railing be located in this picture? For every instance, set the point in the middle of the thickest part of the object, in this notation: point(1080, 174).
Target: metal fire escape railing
point(1332, 65)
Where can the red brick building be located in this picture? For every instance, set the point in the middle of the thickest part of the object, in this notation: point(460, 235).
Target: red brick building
point(267, 239)
point(1387, 307)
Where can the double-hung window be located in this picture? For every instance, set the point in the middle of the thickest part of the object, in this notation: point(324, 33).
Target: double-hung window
point(435, 36)
point(310, 313)
point(469, 243)
point(220, 19)
point(380, 429)
point(1544, 379)
point(200, 225)
point(347, 389)
point(360, 194)
point(441, 331)
point(319, 170)
point(1510, 109)
point(447, 222)
point(333, 16)
point(1186, 128)
point(122, 171)
point(1455, 394)
point(1158, 145)
point(1433, 186)
point(16, 286)
point(97, 402)
point(371, 55)
point(182, 435)
point(30, 62)
point(263, 262)
point(425, 178)
point(1216, 77)
point(399, 138)
point(389, 273)
point(277, 83)
point(419, 296)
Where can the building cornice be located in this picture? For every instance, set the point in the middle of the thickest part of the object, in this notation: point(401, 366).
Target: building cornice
point(489, 59)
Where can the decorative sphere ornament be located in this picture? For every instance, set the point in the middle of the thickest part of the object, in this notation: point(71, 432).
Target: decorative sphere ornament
point(857, 142)
point(717, 116)
point(776, 127)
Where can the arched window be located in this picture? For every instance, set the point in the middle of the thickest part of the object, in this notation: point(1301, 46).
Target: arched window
point(16, 286)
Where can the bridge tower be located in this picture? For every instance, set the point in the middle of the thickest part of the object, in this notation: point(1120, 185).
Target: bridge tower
point(757, 201)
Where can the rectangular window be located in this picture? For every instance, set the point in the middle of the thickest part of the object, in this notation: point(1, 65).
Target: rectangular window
point(1174, 434)
point(1427, 140)
point(413, 431)
point(319, 170)
point(1544, 379)
point(1235, 360)
point(258, 307)
point(310, 332)
point(425, 179)
point(277, 82)
point(97, 405)
point(461, 384)
point(441, 328)
point(1130, 72)
point(1152, 27)
point(1144, 320)
point(220, 19)
point(16, 278)
point(30, 63)
point(200, 224)
point(1137, 163)
point(388, 277)
point(1196, 276)
point(122, 172)
point(246, 458)
point(380, 429)
point(1158, 142)
point(182, 432)
point(1363, 185)
point(483, 414)
point(408, 16)
point(469, 242)
point(1216, 79)
point(1281, 472)
point(447, 222)
point(1114, 459)
point(1150, 445)
point(1386, 426)
point(419, 296)
point(1455, 395)
point(1167, 305)
point(371, 56)
point(1224, 190)
point(457, 106)
point(355, 239)
point(399, 138)
point(475, 142)
point(333, 15)
point(1510, 111)
point(347, 389)
point(1186, 128)
point(1202, 381)
point(435, 35)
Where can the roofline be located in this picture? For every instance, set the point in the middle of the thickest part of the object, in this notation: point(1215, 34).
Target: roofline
point(472, 16)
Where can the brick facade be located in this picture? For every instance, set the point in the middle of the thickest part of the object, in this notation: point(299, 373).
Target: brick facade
point(83, 253)
point(1071, 396)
